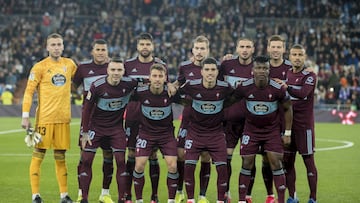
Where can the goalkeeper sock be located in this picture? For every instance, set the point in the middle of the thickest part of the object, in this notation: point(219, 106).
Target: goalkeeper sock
point(36, 160)
point(61, 171)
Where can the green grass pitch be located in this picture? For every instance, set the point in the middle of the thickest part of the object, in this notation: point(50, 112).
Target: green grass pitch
point(337, 159)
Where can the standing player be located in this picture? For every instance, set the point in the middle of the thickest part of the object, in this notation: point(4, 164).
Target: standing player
point(51, 79)
point(263, 97)
point(238, 68)
point(278, 68)
point(301, 86)
point(205, 132)
point(156, 130)
point(190, 70)
point(102, 117)
point(85, 75)
point(139, 68)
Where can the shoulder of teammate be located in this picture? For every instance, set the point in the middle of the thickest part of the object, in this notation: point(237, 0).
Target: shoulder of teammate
point(158, 60)
point(287, 62)
point(185, 63)
point(87, 62)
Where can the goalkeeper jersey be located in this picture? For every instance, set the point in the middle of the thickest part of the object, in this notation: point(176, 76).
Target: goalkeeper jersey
point(51, 80)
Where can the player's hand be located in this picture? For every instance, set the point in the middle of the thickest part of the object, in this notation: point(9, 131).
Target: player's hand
point(25, 123)
point(280, 82)
point(85, 138)
point(227, 57)
point(171, 89)
point(286, 140)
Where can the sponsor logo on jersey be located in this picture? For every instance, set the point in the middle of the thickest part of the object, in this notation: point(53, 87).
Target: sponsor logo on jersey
point(208, 107)
point(58, 80)
point(91, 72)
point(157, 113)
point(251, 96)
point(134, 70)
point(232, 71)
point(198, 95)
point(191, 74)
point(146, 102)
point(261, 108)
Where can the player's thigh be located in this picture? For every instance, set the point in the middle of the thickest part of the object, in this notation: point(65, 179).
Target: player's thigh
point(56, 136)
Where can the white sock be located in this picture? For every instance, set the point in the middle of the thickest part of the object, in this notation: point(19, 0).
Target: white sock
point(34, 195)
point(105, 191)
point(63, 194)
point(80, 192)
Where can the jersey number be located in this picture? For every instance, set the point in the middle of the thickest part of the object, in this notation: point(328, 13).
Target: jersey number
point(188, 144)
point(140, 143)
point(245, 139)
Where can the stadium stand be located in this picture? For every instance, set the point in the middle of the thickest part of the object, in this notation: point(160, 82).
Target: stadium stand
point(326, 28)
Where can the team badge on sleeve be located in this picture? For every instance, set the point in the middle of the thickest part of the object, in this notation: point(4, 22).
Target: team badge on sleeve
point(88, 96)
point(310, 81)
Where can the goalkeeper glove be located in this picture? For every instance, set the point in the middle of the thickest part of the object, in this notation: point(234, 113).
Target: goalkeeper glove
point(32, 138)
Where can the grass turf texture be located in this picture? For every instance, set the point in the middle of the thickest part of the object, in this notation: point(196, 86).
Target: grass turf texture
point(338, 169)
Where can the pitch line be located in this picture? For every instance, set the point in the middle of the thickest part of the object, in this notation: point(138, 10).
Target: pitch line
point(23, 130)
point(347, 144)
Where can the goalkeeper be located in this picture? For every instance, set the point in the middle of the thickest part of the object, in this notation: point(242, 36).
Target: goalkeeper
point(51, 80)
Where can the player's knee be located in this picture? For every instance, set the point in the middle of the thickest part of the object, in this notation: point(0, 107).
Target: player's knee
point(140, 167)
point(59, 155)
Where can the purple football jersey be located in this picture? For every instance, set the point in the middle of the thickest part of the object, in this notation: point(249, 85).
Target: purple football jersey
point(302, 87)
point(280, 71)
point(188, 71)
point(105, 104)
point(156, 111)
point(207, 110)
point(232, 71)
point(87, 73)
point(262, 106)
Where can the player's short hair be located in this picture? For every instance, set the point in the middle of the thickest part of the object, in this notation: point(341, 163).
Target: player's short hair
point(117, 59)
point(209, 60)
point(276, 38)
point(297, 46)
point(159, 67)
point(245, 39)
point(144, 36)
point(201, 38)
point(261, 59)
point(54, 36)
point(99, 41)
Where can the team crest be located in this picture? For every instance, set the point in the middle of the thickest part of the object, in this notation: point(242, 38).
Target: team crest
point(88, 96)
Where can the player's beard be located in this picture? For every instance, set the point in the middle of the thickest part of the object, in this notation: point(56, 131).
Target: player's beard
point(145, 54)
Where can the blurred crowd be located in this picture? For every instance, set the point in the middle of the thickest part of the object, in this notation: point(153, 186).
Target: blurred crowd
point(328, 29)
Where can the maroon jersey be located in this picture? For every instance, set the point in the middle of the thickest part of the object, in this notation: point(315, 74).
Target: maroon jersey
point(105, 104)
point(156, 111)
point(232, 71)
point(262, 111)
point(87, 73)
point(301, 89)
point(138, 70)
point(280, 71)
point(188, 71)
point(207, 108)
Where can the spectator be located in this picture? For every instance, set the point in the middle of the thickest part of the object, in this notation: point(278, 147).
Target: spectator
point(7, 96)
